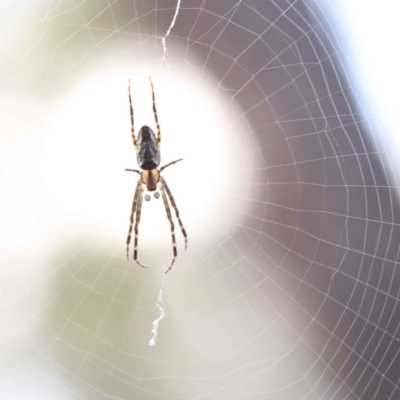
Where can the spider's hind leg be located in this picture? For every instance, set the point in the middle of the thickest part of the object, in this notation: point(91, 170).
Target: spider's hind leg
point(155, 114)
point(131, 111)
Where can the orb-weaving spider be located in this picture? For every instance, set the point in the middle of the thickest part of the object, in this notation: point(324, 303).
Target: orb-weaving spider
point(148, 158)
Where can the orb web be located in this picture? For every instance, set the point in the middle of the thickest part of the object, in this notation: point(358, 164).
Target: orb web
point(289, 288)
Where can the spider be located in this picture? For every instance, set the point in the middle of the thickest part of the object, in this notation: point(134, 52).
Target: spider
point(148, 157)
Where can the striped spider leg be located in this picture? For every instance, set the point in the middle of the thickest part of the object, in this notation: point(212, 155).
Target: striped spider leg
point(164, 188)
point(136, 211)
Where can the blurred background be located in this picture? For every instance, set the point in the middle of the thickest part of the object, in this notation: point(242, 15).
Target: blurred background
point(284, 113)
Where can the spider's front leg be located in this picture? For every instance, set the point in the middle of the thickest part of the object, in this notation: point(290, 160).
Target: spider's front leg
point(134, 204)
point(136, 209)
point(168, 210)
point(139, 210)
point(164, 189)
point(171, 199)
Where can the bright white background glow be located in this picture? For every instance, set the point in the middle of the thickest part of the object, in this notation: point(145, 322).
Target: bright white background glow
point(372, 34)
point(85, 146)
point(65, 177)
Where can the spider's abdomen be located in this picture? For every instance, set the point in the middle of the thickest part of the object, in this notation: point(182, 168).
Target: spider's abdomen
point(147, 153)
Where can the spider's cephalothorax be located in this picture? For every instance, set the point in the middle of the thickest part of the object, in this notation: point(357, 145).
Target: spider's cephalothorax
point(150, 178)
point(147, 147)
